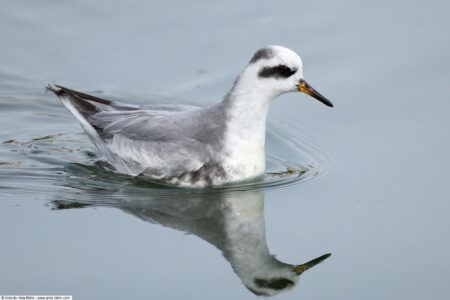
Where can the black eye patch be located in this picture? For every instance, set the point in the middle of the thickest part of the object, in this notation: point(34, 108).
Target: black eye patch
point(273, 283)
point(280, 71)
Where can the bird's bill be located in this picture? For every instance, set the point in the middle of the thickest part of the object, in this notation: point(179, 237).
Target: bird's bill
point(304, 87)
point(303, 267)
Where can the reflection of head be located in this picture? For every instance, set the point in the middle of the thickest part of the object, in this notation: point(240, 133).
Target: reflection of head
point(271, 281)
point(232, 221)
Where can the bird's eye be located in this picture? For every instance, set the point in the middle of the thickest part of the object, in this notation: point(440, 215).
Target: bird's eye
point(285, 71)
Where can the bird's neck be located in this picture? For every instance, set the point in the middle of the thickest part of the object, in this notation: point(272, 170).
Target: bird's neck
point(247, 106)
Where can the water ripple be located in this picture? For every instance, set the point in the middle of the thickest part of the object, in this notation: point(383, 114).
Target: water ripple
point(65, 160)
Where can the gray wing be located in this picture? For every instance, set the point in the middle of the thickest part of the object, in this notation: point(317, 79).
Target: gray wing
point(160, 143)
point(144, 124)
point(159, 140)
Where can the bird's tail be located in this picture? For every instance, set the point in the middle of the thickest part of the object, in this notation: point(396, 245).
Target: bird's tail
point(82, 106)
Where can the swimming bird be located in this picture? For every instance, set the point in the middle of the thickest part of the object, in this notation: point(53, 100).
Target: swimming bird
point(193, 146)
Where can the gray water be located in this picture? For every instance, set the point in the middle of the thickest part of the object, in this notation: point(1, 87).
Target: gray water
point(367, 180)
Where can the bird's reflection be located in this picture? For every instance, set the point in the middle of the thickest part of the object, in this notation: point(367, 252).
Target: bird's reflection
point(232, 221)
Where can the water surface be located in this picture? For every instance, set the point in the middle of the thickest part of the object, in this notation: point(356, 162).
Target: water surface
point(368, 179)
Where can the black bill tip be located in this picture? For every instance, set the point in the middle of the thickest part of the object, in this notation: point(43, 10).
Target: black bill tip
point(304, 87)
point(303, 267)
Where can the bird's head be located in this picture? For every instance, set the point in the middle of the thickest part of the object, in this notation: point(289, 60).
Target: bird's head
point(275, 70)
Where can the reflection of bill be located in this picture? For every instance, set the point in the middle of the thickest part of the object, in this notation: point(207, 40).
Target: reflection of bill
point(232, 221)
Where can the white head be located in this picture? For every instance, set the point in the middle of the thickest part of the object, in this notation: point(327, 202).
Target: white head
point(270, 276)
point(274, 70)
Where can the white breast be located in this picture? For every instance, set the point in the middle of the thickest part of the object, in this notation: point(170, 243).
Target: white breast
point(245, 160)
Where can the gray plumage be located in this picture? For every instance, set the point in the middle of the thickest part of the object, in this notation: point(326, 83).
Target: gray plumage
point(264, 53)
point(187, 136)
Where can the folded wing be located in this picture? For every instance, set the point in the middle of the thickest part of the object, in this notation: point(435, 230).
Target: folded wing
point(161, 141)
